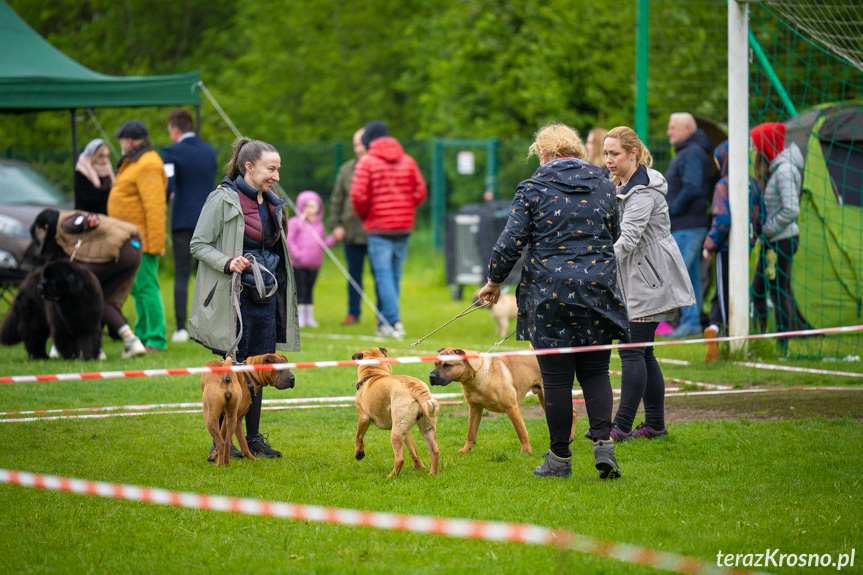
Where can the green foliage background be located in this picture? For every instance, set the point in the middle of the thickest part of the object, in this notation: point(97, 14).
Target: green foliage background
point(311, 72)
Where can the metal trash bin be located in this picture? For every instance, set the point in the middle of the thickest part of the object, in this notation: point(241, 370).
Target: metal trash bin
point(470, 238)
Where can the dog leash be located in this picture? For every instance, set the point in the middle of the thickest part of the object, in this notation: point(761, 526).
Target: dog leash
point(497, 345)
point(236, 288)
point(470, 309)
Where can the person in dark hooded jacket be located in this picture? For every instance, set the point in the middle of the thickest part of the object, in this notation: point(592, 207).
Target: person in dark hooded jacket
point(566, 217)
point(688, 178)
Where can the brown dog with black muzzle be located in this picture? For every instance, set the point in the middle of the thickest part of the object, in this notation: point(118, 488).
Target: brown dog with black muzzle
point(497, 384)
point(395, 402)
point(230, 393)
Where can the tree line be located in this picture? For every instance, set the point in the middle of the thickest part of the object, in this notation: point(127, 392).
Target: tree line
point(316, 70)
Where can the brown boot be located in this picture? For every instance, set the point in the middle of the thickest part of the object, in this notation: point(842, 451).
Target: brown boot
point(712, 346)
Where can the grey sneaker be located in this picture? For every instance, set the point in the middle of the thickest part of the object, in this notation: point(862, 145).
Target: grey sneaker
point(554, 466)
point(603, 453)
point(235, 453)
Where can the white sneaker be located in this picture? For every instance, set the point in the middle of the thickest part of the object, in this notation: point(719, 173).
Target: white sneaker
point(137, 348)
point(384, 330)
point(53, 354)
point(180, 336)
point(102, 355)
point(399, 329)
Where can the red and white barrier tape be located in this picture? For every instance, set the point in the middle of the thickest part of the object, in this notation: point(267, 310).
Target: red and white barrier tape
point(698, 383)
point(798, 369)
point(198, 404)
point(150, 409)
point(771, 366)
point(415, 359)
point(758, 390)
point(461, 528)
point(673, 361)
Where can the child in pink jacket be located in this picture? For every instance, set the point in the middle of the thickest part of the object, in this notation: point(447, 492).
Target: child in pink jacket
point(305, 235)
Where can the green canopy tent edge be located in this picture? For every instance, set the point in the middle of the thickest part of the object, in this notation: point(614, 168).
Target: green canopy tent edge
point(36, 76)
point(37, 94)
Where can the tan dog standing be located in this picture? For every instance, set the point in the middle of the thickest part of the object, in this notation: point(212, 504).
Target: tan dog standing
point(503, 312)
point(230, 394)
point(395, 402)
point(497, 384)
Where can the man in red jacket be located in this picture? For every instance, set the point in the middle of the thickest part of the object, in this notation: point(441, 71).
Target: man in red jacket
point(385, 192)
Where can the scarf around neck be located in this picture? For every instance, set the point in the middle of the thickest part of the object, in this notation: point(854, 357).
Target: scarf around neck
point(135, 153)
point(92, 172)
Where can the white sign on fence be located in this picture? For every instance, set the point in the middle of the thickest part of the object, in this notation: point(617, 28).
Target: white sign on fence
point(465, 163)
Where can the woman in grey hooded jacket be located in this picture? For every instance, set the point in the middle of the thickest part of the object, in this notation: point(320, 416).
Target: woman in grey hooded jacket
point(652, 277)
point(783, 167)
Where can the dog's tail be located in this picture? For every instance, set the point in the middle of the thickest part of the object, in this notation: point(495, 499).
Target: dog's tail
point(428, 404)
point(433, 408)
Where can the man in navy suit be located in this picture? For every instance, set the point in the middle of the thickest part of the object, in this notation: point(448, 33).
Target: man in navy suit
point(190, 164)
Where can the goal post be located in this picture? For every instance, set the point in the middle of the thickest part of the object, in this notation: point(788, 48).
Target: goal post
point(738, 171)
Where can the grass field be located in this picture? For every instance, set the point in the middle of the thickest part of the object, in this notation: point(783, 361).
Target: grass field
point(738, 473)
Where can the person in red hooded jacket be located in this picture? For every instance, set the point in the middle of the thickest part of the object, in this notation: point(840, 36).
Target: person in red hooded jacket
point(385, 192)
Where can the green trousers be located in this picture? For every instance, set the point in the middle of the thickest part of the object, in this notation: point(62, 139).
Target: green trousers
point(150, 325)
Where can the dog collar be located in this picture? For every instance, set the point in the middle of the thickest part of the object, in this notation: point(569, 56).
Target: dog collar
point(357, 384)
point(249, 383)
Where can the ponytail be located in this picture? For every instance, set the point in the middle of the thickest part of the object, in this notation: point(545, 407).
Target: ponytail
point(246, 150)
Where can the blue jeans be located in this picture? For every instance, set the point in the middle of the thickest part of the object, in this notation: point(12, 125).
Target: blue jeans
point(387, 255)
point(690, 242)
point(355, 254)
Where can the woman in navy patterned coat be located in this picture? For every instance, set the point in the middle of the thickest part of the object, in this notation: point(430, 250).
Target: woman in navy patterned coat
point(566, 216)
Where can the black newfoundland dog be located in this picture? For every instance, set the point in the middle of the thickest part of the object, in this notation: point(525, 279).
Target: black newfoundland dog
point(63, 300)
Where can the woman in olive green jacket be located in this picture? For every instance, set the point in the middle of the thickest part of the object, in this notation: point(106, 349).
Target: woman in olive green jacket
point(245, 215)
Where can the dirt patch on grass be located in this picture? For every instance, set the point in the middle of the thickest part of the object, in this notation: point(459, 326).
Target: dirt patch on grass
point(768, 405)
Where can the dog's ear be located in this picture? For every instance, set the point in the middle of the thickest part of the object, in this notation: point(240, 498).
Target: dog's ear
point(458, 352)
point(440, 350)
point(383, 351)
point(357, 356)
point(475, 363)
point(275, 358)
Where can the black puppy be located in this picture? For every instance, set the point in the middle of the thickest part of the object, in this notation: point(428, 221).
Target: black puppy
point(73, 306)
point(26, 319)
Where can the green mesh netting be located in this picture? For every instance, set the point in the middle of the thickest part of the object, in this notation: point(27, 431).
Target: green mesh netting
point(818, 96)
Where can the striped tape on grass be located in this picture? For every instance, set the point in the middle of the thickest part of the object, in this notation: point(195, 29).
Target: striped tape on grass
point(172, 408)
point(461, 528)
point(415, 359)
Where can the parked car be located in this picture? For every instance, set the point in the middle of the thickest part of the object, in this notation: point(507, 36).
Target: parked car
point(23, 194)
